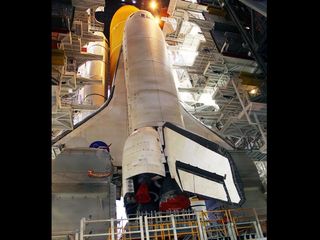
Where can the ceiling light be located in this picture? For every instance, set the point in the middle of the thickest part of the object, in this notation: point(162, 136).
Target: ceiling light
point(153, 5)
point(253, 91)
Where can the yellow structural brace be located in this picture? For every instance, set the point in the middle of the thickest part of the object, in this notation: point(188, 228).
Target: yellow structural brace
point(58, 57)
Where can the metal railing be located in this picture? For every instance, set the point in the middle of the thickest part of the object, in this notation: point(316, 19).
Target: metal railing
point(229, 224)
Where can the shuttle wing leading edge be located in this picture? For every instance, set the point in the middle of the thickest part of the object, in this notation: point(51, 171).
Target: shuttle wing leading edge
point(109, 125)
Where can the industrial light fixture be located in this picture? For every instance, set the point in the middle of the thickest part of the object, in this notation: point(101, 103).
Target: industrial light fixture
point(247, 28)
point(153, 5)
point(253, 91)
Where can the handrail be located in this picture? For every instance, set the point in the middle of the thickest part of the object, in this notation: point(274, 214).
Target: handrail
point(226, 224)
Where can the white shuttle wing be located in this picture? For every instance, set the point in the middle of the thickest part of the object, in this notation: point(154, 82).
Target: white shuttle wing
point(201, 166)
point(109, 124)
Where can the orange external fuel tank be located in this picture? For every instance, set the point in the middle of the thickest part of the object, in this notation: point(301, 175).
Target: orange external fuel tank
point(116, 33)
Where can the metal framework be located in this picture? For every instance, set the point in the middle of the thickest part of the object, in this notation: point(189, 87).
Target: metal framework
point(67, 80)
point(248, 39)
point(219, 224)
point(238, 118)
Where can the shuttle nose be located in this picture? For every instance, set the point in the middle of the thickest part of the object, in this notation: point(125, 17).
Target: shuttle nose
point(142, 14)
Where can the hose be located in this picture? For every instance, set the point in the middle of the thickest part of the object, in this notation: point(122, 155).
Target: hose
point(91, 173)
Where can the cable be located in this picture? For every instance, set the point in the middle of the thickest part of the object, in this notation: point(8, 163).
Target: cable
point(92, 94)
point(94, 45)
point(92, 173)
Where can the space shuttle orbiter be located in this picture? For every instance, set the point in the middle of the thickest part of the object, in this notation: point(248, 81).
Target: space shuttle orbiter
point(166, 154)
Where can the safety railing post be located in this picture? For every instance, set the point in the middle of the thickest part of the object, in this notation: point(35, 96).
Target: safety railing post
point(204, 231)
point(258, 223)
point(82, 227)
point(231, 226)
point(112, 229)
point(174, 227)
point(146, 227)
point(199, 225)
point(141, 227)
point(257, 230)
point(231, 232)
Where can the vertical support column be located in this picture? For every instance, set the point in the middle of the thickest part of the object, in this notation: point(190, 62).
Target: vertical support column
point(230, 226)
point(260, 128)
point(252, 28)
point(112, 228)
point(241, 102)
point(204, 229)
point(199, 225)
point(174, 227)
point(141, 227)
point(257, 230)
point(146, 227)
point(231, 231)
point(82, 227)
point(260, 232)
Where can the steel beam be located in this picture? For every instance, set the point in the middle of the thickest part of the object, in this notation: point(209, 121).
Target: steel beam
point(246, 37)
point(258, 6)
